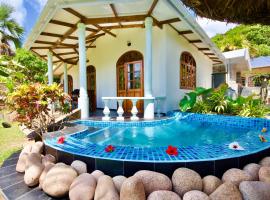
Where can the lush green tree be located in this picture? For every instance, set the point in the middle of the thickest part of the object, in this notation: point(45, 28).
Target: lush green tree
point(24, 67)
point(253, 37)
point(10, 30)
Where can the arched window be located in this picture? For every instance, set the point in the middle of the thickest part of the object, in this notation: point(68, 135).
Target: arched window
point(187, 71)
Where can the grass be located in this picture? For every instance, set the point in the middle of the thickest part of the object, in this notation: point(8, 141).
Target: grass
point(11, 140)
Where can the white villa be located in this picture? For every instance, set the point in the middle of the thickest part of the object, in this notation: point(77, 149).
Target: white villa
point(113, 50)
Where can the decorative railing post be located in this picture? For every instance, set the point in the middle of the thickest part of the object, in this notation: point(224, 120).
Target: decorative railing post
point(120, 110)
point(134, 110)
point(106, 110)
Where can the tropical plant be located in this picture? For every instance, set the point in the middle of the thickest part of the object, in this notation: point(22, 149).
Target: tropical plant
point(217, 101)
point(24, 67)
point(253, 37)
point(10, 30)
point(33, 105)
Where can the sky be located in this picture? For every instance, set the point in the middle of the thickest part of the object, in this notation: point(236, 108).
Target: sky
point(27, 12)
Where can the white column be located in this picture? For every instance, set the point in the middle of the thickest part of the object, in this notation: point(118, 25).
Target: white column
point(148, 57)
point(50, 68)
point(83, 99)
point(149, 108)
point(65, 78)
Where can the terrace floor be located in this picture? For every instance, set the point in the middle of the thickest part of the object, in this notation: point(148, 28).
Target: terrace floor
point(12, 185)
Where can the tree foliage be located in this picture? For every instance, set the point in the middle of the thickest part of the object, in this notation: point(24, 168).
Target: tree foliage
point(10, 30)
point(24, 67)
point(253, 37)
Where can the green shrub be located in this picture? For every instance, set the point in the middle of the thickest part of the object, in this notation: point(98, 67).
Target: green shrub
point(216, 101)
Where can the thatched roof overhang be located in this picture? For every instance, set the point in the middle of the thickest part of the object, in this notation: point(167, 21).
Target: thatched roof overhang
point(232, 11)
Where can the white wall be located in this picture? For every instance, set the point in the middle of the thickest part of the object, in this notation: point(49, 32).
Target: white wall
point(175, 45)
point(167, 48)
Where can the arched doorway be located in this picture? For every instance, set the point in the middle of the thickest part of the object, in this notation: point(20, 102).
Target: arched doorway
point(91, 88)
point(130, 78)
point(70, 84)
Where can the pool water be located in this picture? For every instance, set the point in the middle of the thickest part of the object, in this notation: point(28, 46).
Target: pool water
point(176, 133)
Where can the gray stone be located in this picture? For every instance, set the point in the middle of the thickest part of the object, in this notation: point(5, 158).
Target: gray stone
point(132, 189)
point(37, 147)
point(48, 158)
point(21, 164)
point(105, 189)
point(118, 182)
point(46, 169)
point(265, 162)
point(264, 174)
point(163, 195)
point(33, 169)
point(195, 195)
point(253, 170)
point(210, 184)
point(236, 176)
point(97, 174)
point(255, 190)
point(79, 166)
point(83, 187)
point(227, 191)
point(58, 180)
point(185, 180)
point(153, 181)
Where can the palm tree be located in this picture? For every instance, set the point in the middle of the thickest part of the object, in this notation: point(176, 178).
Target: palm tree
point(10, 30)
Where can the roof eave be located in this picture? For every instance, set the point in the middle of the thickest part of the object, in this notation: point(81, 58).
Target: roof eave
point(185, 15)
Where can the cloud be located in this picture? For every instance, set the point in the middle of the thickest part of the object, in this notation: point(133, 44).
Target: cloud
point(213, 27)
point(20, 11)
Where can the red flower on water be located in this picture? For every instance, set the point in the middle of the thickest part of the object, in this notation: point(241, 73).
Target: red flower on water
point(172, 151)
point(61, 140)
point(235, 146)
point(109, 148)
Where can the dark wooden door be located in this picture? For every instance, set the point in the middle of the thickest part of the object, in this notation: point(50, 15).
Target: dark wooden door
point(91, 88)
point(130, 83)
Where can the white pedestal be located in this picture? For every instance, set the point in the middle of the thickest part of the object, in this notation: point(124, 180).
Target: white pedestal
point(149, 109)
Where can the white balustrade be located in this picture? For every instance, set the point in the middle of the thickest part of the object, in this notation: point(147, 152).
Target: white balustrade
point(134, 110)
point(106, 110)
point(120, 110)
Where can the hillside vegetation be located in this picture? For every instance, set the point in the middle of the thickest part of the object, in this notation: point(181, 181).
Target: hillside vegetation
point(254, 37)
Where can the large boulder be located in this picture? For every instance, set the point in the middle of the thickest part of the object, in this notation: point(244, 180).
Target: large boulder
point(253, 170)
point(210, 184)
point(236, 176)
point(163, 195)
point(255, 190)
point(153, 181)
point(97, 174)
point(37, 147)
point(83, 187)
point(46, 169)
point(132, 189)
point(79, 166)
point(47, 159)
point(118, 182)
point(27, 149)
point(58, 180)
point(185, 180)
point(195, 195)
point(105, 189)
point(227, 191)
point(265, 162)
point(33, 169)
point(21, 164)
point(264, 174)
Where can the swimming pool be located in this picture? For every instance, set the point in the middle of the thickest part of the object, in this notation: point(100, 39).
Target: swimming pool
point(197, 137)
